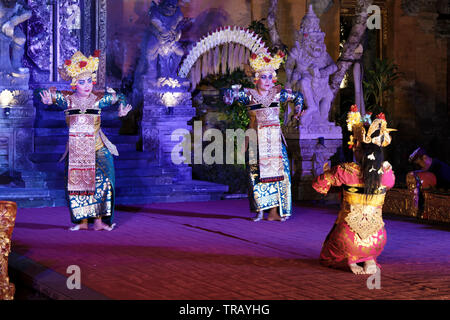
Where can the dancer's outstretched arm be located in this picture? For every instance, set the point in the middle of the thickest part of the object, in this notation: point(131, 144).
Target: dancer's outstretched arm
point(110, 98)
point(53, 96)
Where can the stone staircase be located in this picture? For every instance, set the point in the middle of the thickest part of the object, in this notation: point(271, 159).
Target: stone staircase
point(138, 178)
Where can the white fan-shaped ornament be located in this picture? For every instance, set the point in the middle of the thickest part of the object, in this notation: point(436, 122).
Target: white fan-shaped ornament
point(228, 35)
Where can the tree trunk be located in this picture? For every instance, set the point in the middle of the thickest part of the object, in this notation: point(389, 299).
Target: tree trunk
point(348, 55)
point(272, 25)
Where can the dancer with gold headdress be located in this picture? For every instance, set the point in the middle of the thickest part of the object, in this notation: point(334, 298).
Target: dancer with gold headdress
point(269, 175)
point(90, 169)
point(358, 235)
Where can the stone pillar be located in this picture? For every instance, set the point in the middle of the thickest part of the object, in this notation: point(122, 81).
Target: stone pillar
point(17, 135)
point(310, 148)
point(167, 107)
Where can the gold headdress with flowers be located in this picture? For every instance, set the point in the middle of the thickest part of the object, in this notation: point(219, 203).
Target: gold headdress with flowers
point(79, 65)
point(265, 62)
point(356, 124)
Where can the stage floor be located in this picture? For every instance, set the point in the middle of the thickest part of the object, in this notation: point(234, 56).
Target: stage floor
point(211, 250)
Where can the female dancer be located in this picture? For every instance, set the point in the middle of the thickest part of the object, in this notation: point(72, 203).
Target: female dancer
point(269, 174)
point(89, 168)
point(358, 235)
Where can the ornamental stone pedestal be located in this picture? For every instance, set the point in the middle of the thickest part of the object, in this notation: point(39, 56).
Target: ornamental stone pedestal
point(17, 115)
point(167, 107)
point(311, 147)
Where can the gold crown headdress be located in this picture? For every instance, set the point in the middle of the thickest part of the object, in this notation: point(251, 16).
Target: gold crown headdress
point(265, 62)
point(356, 124)
point(79, 65)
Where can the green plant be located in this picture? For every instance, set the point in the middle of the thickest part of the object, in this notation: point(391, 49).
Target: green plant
point(237, 113)
point(260, 29)
point(379, 84)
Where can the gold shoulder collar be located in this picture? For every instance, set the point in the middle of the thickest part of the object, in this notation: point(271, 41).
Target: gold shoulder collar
point(350, 167)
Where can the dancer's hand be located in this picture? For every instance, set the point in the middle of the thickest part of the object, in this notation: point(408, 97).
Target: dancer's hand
point(46, 97)
point(123, 111)
point(8, 29)
point(298, 115)
point(228, 97)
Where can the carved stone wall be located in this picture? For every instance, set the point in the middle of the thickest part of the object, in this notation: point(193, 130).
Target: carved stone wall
point(167, 107)
point(39, 42)
point(17, 133)
point(68, 28)
point(57, 30)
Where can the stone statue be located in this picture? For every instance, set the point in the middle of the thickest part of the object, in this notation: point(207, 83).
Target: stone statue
point(321, 6)
point(309, 67)
point(308, 70)
point(161, 51)
point(12, 38)
point(319, 158)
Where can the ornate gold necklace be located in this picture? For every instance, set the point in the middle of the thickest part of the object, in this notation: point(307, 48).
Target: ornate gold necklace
point(265, 100)
point(83, 104)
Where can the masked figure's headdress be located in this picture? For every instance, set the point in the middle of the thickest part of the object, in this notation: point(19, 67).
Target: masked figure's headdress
point(363, 128)
point(78, 65)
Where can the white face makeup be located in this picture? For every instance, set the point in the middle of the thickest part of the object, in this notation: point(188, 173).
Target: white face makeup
point(265, 81)
point(84, 86)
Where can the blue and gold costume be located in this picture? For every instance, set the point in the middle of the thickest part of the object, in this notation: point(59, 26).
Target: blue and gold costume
point(276, 190)
point(100, 203)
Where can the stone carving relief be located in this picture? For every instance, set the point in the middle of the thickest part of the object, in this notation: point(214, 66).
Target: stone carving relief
point(432, 15)
point(69, 37)
point(161, 52)
point(39, 42)
point(80, 25)
point(321, 6)
point(12, 42)
point(151, 144)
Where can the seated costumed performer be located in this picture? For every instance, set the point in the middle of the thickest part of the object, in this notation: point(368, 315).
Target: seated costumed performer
point(358, 235)
point(90, 175)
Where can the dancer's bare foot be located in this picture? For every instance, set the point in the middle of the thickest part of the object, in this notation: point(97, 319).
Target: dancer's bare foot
point(273, 215)
point(259, 216)
point(370, 267)
point(99, 225)
point(81, 226)
point(356, 269)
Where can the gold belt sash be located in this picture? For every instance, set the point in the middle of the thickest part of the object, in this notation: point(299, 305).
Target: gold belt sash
point(364, 220)
point(81, 175)
point(269, 145)
point(363, 215)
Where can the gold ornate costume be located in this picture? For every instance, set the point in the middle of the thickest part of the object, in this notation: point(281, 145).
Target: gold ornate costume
point(8, 210)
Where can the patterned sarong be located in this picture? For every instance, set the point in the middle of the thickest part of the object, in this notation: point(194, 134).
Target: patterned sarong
point(266, 195)
point(101, 203)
